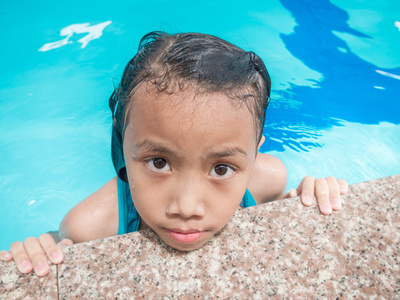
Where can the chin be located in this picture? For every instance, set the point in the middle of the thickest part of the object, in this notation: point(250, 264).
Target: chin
point(185, 248)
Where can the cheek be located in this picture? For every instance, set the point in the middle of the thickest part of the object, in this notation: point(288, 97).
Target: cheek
point(147, 193)
point(227, 200)
point(226, 210)
point(148, 204)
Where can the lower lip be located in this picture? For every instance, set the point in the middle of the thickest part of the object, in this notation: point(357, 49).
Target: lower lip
point(185, 238)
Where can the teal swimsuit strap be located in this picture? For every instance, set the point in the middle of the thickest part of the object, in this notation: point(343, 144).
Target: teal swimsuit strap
point(248, 200)
point(129, 219)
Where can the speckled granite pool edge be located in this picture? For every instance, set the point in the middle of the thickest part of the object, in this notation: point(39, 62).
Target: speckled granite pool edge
point(280, 249)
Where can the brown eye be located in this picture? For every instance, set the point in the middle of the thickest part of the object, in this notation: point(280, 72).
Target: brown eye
point(221, 170)
point(159, 163)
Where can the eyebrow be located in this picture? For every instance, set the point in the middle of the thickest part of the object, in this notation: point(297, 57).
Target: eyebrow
point(148, 145)
point(227, 152)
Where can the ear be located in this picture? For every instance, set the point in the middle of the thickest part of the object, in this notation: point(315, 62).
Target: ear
point(261, 142)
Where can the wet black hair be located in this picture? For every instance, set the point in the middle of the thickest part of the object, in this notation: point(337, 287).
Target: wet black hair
point(202, 62)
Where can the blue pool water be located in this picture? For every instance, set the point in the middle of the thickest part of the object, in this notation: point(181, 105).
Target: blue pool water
point(335, 68)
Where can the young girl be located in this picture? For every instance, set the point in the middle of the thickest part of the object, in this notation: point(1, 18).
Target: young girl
point(188, 118)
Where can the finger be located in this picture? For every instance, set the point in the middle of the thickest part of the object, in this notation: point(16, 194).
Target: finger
point(65, 243)
point(344, 187)
point(334, 193)
point(21, 258)
point(37, 256)
point(322, 194)
point(292, 193)
point(306, 190)
point(5, 255)
point(51, 249)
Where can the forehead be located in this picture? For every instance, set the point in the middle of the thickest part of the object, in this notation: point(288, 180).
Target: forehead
point(189, 117)
point(187, 104)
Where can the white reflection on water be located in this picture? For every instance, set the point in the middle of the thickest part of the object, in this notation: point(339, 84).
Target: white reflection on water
point(388, 74)
point(93, 32)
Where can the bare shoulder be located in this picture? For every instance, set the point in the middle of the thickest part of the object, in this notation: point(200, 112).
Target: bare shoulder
point(269, 178)
point(95, 217)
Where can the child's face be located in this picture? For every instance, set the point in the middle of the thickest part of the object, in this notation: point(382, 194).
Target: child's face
point(189, 160)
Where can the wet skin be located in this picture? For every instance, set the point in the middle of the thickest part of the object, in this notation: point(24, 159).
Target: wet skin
point(189, 159)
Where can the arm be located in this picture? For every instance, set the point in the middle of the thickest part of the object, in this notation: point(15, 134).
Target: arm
point(268, 179)
point(93, 218)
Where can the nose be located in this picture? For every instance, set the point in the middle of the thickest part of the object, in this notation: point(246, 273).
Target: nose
point(188, 199)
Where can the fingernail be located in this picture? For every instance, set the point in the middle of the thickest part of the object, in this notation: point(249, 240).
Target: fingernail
point(7, 256)
point(55, 256)
point(41, 269)
point(326, 208)
point(307, 200)
point(336, 204)
point(61, 245)
point(26, 266)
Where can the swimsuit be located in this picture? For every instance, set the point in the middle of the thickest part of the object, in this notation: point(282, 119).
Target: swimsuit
point(129, 219)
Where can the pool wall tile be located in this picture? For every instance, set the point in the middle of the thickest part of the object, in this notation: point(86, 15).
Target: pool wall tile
point(14, 285)
point(280, 249)
point(277, 249)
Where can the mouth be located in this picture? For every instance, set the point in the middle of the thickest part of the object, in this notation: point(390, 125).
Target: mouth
point(184, 236)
